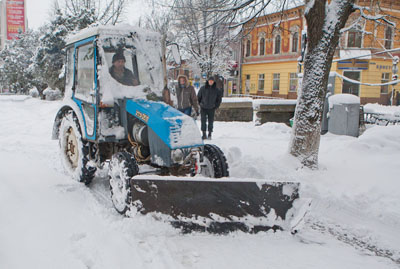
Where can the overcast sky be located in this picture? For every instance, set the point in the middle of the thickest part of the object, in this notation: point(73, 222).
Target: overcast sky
point(38, 11)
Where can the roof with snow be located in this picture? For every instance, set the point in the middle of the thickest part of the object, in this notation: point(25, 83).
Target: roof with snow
point(123, 29)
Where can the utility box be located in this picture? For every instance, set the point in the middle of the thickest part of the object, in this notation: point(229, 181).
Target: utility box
point(344, 114)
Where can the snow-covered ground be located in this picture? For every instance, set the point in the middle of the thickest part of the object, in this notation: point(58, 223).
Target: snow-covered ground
point(47, 220)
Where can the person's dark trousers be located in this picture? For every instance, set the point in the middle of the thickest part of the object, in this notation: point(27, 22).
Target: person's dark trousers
point(187, 111)
point(207, 114)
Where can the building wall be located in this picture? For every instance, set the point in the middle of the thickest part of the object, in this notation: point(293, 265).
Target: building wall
point(284, 69)
point(373, 75)
point(285, 62)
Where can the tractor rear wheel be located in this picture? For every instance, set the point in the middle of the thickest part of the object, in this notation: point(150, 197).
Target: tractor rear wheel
point(74, 150)
point(214, 164)
point(123, 167)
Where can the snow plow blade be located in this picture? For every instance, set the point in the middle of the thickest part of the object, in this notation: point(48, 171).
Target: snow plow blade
point(220, 205)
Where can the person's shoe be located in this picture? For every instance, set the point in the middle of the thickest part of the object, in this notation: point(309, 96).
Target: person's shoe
point(209, 135)
point(204, 137)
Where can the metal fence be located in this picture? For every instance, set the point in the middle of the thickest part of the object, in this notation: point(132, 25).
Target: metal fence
point(381, 119)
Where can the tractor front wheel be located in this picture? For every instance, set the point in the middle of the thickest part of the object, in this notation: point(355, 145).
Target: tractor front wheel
point(74, 150)
point(123, 167)
point(214, 164)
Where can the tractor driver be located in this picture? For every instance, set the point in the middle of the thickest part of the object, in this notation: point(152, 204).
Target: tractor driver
point(120, 73)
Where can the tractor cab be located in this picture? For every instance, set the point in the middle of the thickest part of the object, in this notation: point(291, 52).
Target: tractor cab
point(106, 64)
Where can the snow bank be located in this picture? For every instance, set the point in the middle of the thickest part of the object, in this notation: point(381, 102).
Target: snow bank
point(14, 98)
point(236, 99)
point(377, 108)
point(258, 102)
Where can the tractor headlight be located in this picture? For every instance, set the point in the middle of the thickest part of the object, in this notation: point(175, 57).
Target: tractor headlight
point(177, 156)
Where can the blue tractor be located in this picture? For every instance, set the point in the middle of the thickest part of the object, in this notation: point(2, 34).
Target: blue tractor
point(112, 116)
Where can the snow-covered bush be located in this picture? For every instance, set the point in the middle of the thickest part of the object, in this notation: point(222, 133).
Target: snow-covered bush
point(34, 92)
point(51, 94)
point(17, 59)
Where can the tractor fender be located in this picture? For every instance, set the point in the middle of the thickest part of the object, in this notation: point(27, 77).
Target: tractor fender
point(66, 106)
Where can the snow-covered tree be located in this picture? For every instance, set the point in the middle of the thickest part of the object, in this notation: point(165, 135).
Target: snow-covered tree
point(50, 56)
point(324, 23)
point(160, 20)
point(103, 11)
point(16, 72)
point(203, 35)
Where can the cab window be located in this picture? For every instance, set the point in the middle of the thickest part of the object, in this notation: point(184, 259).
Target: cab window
point(85, 71)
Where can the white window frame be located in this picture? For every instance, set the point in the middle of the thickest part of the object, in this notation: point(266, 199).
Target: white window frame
point(260, 36)
point(276, 77)
point(259, 46)
point(280, 44)
point(354, 31)
point(391, 37)
point(247, 83)
point(293, 79)
point(261, 78)
point(385, 80)
point(247, 46)
point(293, 30)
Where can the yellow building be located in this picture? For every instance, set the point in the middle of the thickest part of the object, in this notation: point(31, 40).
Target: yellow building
point(273, 46)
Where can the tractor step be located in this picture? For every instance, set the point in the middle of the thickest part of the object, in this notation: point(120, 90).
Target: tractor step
point(220, 205)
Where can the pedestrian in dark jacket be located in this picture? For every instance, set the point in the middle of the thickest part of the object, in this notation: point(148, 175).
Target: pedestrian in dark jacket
point(186, 96)
point(209, 98)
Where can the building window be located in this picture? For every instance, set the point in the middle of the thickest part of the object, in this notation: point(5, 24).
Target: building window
point(261, 78)
point(295, 42)
point(275, 82)
point(262, 46)
point(277, 44)
point(349, 87)
point(248, 44)
point(293, 82)
point(354, 38)
point(385, 79)
point(186, 73)
point(388, 37)
point(247, 84)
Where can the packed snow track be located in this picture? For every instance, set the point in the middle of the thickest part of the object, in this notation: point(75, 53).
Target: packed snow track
point(48, 220)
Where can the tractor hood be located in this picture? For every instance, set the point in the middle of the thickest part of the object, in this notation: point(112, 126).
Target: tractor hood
point(174, 128)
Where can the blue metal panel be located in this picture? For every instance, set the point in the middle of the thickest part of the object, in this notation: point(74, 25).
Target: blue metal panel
point(158, 116)
point(79, 102)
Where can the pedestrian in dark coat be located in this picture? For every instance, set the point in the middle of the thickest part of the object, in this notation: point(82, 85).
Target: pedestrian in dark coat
point(209, 98)
point(186, 96)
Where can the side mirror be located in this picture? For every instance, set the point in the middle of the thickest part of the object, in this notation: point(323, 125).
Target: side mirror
point(175, 53)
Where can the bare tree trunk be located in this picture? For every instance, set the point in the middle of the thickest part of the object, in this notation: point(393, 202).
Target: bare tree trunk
point(324, 25)
point(164, 57)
